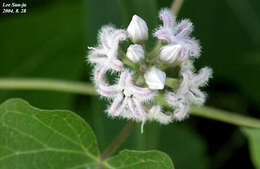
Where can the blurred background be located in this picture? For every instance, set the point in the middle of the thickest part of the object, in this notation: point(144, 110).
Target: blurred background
point(50, 41)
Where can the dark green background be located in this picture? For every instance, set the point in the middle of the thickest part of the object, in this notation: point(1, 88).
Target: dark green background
point(51, 41)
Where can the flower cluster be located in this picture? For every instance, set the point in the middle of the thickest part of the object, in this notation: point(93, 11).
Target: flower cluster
point(141, 88)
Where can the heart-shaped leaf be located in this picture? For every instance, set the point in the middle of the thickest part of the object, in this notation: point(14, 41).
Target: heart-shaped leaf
point(31, 138)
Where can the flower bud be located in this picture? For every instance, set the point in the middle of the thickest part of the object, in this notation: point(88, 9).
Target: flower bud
point(137, 30)
point(135, 53)
point(155, 78)
point(170, 53)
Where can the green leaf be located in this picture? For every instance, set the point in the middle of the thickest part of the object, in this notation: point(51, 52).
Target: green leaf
point(253, 135)
point(31, 138)
point(53, 139)
point(127, 159)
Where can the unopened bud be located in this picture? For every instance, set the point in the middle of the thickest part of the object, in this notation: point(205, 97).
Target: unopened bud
point(137, 30)
point(135, 53)
point(155, 78)
point(170, 53)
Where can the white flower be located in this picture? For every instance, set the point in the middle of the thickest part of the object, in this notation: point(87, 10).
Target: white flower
point(105, 55)
point(156, 114)
point(127, 98)
point(155, 78)
point(177, 34)
point(191, 83)
point(188, 92)
point(137, 30)
point(135, 53)
point(136, 103)
point(170, 53)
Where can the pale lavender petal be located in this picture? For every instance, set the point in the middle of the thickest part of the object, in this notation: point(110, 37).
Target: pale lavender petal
point(131, 106)
point(143, 93)
point(118, 35)
point(181, 112)
point(187, 65)
point(167, 18)
point(128, 79)
point(163, 34)
point(98, 59)
point(116, 64)
point(117, 106)
point(202, 78)
point(176, 101)
point(124, 79)
point(156, 114)
point(183, 29)
point(185, 84)
point(190, 47)
point(105, 36)
point(97, 56)
point(109, 37)
point(193, 47)
point(136, 108)
point(139, 108)
point(184, 54)
point(171, 98)
point(108, 91)
point(99, 74)
point(197, 97)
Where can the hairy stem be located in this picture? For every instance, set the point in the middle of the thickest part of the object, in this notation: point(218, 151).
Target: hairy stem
point(88, 89)
point(176, 6)
point(125, 132)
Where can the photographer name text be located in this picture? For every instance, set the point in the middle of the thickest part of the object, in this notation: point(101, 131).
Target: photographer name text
point(14, 8)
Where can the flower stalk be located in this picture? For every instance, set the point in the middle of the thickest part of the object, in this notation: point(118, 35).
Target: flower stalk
point(176, 6)
point(125, 132)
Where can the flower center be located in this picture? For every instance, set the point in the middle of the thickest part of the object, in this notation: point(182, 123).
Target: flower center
point(127, 93)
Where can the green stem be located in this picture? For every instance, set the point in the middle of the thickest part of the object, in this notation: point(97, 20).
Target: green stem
point(125, 132)
point(47, 84)
point(176, 6)
point(154, 53)
point(225, 116)
point(88, 89)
